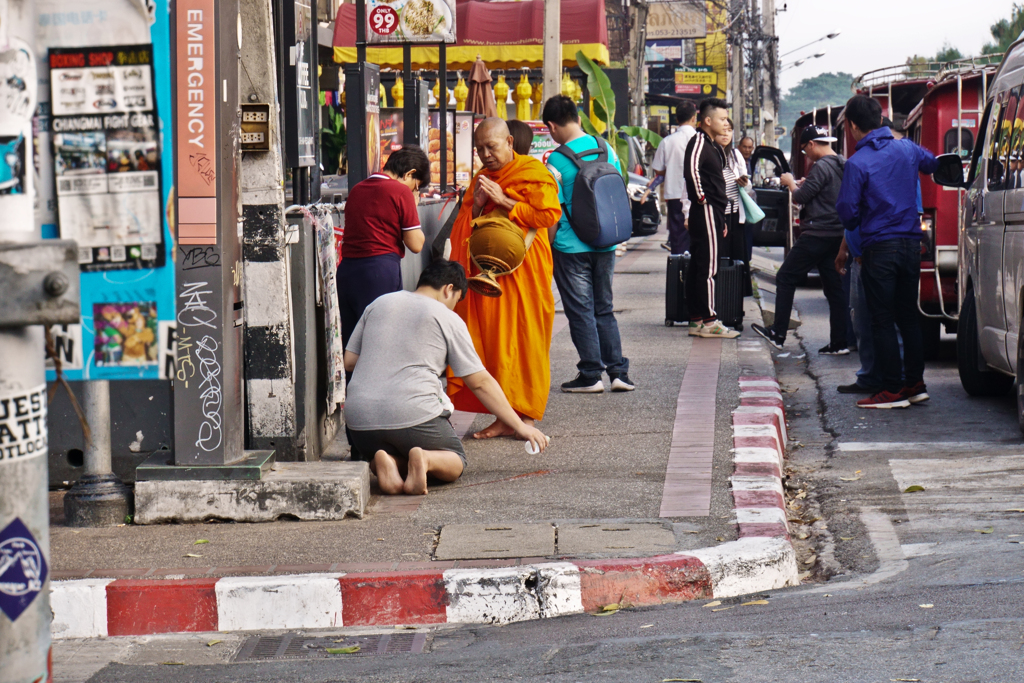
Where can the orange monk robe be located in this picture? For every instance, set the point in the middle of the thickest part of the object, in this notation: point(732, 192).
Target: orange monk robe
point(512, 333)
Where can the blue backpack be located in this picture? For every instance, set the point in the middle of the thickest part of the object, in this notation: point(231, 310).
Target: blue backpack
point(601, 213)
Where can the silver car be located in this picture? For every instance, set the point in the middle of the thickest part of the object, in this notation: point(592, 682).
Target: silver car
point(991, 250)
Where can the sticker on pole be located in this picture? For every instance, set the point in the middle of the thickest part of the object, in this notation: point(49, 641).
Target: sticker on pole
point(23, 569)
point(23, 424)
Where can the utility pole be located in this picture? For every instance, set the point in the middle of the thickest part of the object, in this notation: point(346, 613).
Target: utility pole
point(738, 82)
point(756, 60)
point(552, 47)
point(39, 281)
point(771, 51)
point(635, 59)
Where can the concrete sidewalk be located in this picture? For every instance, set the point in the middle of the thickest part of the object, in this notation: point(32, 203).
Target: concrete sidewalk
point(664, 475)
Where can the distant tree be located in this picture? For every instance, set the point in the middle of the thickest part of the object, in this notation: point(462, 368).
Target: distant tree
point(948, 53)
point(922, 65)
point(811, 93)
point(1006, 31)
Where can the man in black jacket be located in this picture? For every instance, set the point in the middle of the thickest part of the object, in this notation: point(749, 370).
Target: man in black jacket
point(705, 186)
point(821, 234)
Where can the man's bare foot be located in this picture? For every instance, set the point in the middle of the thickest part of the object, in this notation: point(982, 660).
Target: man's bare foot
point(387, 473)
point(497, 428)
point(416, 482)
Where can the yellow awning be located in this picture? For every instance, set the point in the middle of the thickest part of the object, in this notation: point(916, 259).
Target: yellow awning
point(463, 56)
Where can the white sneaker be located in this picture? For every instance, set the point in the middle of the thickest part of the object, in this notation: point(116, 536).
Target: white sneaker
point(717, 330)
point(694, 329)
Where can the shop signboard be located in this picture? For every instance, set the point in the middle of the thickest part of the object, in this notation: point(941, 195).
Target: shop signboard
point(410, 21)
point(663, 51)
point(106, 155)
point(677, 19)
point(696, 80)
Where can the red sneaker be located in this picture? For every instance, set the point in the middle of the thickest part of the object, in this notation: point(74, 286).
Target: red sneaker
point(916, 393)
point(884, 399)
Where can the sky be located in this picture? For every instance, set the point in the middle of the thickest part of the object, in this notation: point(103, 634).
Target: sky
point(879, 33)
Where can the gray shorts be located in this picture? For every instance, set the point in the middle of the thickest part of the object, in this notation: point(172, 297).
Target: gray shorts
point(433, 435)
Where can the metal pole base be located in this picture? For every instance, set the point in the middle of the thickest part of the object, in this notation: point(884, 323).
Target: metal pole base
point(98, 500)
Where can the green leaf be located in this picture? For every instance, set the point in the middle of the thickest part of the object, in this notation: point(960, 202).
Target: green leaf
point(342, 650)
point(645, 134)
point(588, 126)
point(599, 86)
point(622, 151)
point(200, 541)
point(913, 489)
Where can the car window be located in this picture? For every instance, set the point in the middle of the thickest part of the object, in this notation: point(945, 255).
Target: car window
point(1015, 168)
point(966, 142)
point(993, 143)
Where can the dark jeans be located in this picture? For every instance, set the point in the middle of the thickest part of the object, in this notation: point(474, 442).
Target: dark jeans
point(360, 282)
point(891, 271)
point(809, 252)
point(585, 284)
point(678, 237)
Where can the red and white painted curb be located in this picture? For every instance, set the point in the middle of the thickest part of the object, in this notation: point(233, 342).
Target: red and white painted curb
point(759, 449)
point(762, 559)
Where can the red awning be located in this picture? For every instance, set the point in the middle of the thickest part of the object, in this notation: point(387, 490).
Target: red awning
point(505, 25)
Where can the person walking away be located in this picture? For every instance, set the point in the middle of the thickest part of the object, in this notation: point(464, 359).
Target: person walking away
point(522, 136)
point(820, 238)
point(396, 409)
point(381, 222)
point(583, 273)
point(879, 194)
point(669, 160)
point(512, 332)
point(705, 186)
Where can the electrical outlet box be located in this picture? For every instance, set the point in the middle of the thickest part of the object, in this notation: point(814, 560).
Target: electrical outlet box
point(255, 127)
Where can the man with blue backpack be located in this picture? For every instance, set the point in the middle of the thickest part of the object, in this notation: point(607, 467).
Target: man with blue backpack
point(595, 217)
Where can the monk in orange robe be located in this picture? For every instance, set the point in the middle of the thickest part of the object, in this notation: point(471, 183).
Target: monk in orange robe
point(512, 333)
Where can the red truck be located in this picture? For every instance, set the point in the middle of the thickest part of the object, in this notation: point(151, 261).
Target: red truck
point(945, 121)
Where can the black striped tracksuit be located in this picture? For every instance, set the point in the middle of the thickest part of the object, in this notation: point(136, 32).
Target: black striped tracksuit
point(705, 185)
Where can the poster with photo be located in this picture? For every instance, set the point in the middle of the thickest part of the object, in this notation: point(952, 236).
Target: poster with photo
point(126, 333)
point(410, 21)
point(106, 155)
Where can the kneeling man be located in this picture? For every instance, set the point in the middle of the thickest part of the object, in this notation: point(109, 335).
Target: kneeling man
point(397, 409)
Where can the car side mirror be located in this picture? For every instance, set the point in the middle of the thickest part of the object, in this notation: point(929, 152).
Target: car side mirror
point(950, 172)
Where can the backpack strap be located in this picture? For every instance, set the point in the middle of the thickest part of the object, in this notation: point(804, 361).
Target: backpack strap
point(602, 153)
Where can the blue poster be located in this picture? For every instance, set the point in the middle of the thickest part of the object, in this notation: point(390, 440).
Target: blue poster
point(127, 329)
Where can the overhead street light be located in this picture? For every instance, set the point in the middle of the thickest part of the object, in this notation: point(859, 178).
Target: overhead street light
point(830, 36)
point(801, 61)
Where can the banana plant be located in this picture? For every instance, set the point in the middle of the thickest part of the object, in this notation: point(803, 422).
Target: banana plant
point(604, 109)
point(333, 140)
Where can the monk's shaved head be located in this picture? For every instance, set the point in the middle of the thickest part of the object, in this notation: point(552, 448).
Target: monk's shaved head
point(493, 125)
point(494, 143)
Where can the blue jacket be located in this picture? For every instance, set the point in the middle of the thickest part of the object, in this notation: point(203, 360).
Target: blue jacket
point(853, 236)
point(879, 191)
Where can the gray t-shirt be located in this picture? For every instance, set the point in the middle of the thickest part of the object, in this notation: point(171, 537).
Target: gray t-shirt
point(405, 341)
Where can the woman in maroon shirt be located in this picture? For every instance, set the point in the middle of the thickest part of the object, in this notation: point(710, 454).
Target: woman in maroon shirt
point(381, 221)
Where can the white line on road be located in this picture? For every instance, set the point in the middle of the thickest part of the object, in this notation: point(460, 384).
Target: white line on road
point(969, 446)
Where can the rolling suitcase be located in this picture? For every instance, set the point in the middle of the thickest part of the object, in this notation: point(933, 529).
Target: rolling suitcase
point(676, 310)
point(729, 293)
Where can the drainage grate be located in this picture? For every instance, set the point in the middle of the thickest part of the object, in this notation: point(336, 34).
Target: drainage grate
point(291, 646)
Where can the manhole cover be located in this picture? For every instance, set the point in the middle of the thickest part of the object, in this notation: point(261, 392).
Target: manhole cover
point(291, 646)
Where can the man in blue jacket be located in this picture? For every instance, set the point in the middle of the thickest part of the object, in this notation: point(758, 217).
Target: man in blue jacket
point(879, 194)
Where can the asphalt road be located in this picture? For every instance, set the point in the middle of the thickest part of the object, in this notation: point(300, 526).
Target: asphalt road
point(923, 586)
